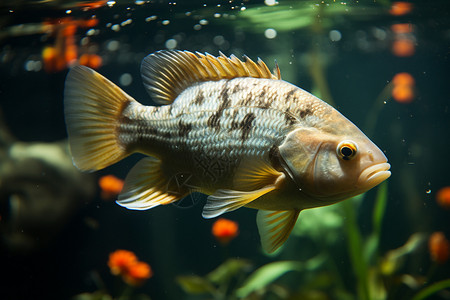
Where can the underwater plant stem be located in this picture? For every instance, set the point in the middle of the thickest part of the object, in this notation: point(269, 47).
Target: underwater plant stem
point(317, 72)
point(354, 241)
point(431, 271)
point(126, 293)
point(434, 288)
point(371, 247)
point(316, 67)
point(331, 262)
point(372, 116)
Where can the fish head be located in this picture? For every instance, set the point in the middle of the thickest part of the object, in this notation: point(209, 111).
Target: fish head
point(330, 165)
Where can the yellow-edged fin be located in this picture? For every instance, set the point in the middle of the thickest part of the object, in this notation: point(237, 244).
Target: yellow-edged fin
point(253, 179)
point(146, 186)
point(92, 107)
point(253, 174)
point(274, 227)
point(223, 201)
point(167, 73)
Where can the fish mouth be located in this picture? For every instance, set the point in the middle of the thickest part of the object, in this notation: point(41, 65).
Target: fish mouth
point(374, 175)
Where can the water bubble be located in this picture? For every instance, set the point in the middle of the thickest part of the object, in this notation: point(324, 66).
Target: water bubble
point(270, 2)
point(33, 65)
point(125, 79)
point(110, 3)
point(203, 22)
point(91, 32)
point(218, 40)
point(139, 2)
point(428, 191)
point(151, 18)
point(126, 22)
point(165, 22)
point(69, 11)
point(112, 45)
point(115, 27)
point(197, 27)
point(84, 41)
point(379, 34)
point(217, 15)
point(270, 33)
point(335, 35)
point(171, 44)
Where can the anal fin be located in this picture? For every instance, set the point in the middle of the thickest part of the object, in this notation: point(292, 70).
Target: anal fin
point(146, 186)
point(274, 227)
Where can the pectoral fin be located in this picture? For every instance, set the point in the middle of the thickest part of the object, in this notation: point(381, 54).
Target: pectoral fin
point(146, 186)
point(274, 227)
point(223, 201)
point(253, 179)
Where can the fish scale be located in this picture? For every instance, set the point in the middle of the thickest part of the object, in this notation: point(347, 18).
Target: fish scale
point(227, 128)
point(161, 125)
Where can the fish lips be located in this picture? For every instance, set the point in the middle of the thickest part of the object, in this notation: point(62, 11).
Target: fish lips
point(374, 175)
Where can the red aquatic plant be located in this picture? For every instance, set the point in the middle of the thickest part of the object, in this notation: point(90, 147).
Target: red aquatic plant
point(225, 230)
point(404, 43)
point(400, 8)
point(443, 197)
point(439, 247)
point(126, 264)
point(110, 186)
point(64, 52)
point(403, 87)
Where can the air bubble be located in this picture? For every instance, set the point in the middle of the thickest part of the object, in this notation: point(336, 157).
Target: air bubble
point(270, 33)
point(125, 79)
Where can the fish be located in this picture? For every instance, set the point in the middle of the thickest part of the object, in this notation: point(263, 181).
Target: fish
point(226, 127)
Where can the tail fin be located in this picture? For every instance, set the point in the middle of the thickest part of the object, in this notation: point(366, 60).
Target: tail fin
point(93, 106)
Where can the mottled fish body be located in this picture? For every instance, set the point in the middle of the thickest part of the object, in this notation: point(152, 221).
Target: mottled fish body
point(227, 128)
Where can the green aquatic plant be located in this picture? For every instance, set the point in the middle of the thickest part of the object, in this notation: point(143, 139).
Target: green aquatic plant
point(296, 15)
point(233, 279)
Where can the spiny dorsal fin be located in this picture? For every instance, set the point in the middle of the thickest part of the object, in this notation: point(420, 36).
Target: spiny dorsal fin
point(167, 73)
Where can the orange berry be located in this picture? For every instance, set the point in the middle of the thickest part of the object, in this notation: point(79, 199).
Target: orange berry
point(439, 247)
point(95, 61)
point(403, 47)
point(110, 185)
point(120, 260)
point(443, 197)
point(225, 230)
point(137, 273)
point(403, 79)
point(402, 28)
point(403, 93)
point(400, 8)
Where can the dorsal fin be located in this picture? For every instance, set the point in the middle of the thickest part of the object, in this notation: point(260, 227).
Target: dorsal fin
point(167, 73)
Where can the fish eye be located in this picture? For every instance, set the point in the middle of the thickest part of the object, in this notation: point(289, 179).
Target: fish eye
point(346, 150)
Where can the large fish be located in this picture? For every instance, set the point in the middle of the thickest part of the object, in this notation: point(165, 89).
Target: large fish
point(226, 127)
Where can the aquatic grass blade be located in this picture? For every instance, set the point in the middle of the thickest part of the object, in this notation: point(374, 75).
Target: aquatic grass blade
point(434, 288)
point(266, 275)
point(355, 246)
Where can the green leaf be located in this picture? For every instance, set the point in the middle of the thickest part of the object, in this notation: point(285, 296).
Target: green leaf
point(99, 295)
point(355, 247)
point(194, 284)
point(266, 275)
point(380, 206)
point(434, 288)
point(228, 269)
point(372, 243)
